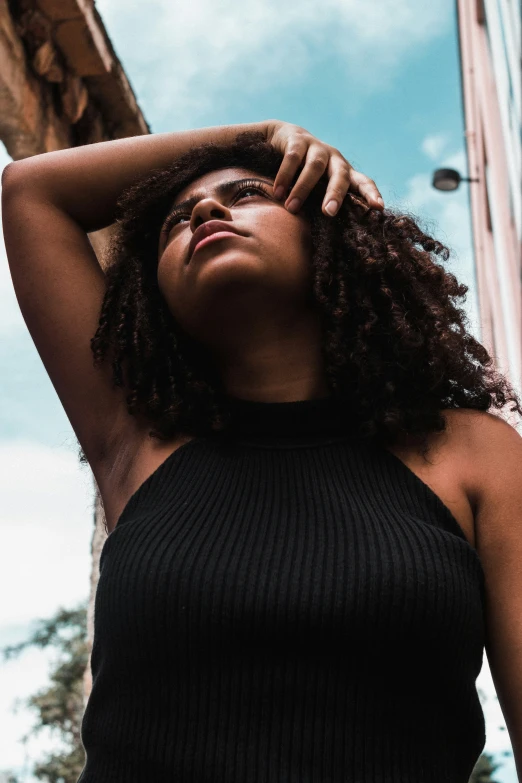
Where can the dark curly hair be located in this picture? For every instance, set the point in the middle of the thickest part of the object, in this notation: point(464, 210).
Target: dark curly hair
point(394, 343)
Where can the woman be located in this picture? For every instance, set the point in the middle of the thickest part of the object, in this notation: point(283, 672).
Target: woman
point(290, 590)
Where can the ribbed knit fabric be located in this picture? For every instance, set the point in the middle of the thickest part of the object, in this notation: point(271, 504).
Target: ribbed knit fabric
point(285, 605)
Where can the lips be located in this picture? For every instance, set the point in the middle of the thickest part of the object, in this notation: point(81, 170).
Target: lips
point(206, 229)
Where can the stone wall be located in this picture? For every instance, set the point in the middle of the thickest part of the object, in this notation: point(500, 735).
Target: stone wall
point(61, 84)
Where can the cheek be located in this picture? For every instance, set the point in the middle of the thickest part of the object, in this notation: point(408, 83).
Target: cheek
point(295, 249)
point(167, 276)
point(288, 239)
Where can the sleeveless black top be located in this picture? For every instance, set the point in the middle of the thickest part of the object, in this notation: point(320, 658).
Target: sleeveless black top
point(284, 604)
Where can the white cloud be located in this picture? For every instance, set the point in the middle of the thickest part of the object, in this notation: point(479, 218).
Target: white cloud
point(46, 522)
point(191, 56)
point(5, 158)
point(20, 678)
point(434, 145)
point(46, 525)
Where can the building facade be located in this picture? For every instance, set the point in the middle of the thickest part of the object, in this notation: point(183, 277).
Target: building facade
point(491, 57)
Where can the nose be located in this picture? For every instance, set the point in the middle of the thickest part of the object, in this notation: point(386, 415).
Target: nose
point(208, 209)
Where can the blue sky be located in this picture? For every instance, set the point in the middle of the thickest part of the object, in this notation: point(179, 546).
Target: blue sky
point(378, 80)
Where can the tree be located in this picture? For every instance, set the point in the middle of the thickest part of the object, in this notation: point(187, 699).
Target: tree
point(8, 777)
point(61, 705)
point(484, 769)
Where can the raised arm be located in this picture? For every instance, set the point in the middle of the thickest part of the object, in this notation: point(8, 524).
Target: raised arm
point(52, 201)
point(49, 203)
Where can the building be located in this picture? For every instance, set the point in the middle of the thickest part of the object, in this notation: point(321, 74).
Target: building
point(491, 57)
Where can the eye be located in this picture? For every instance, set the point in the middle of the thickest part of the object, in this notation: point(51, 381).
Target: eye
point(254, 188)
point(175, 218)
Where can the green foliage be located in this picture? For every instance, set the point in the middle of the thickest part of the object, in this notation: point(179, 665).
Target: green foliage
point(60, 706)
point(484, 769)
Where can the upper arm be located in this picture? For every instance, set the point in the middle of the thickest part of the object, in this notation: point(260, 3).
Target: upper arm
point(60, 286)
point(498, 466)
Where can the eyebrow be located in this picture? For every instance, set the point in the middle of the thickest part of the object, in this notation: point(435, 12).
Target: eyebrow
point(221, 190)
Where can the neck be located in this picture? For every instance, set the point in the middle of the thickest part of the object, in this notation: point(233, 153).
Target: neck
point(275, 364)
point(318, 417)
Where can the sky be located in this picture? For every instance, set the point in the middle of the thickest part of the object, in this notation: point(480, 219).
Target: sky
point(379, 81)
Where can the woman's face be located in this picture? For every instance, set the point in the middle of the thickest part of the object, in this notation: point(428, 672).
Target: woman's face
point(238, 281)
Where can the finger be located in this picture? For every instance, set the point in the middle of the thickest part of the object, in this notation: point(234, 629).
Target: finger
point(317, 159)
point(294, 156)
point(367, 188)
point(338, 184)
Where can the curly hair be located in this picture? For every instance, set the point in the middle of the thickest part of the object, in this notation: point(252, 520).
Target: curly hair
point(395, 345)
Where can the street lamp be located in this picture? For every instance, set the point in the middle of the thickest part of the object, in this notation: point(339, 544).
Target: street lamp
point(449, 179)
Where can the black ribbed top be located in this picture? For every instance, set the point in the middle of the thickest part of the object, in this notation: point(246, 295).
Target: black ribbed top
point(285, 604)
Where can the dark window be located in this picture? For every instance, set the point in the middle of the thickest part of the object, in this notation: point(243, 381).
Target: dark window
point(489, 222)
point(481, 11)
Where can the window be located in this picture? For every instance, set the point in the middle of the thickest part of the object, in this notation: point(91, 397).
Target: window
point(489, 222)
point(481, 11)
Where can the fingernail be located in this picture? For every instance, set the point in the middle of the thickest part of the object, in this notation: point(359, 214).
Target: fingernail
point(332, 207)
point(380, 201)
point(294, 205)
point(279, 192)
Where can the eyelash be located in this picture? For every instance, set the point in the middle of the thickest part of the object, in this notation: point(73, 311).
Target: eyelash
point(246, 185)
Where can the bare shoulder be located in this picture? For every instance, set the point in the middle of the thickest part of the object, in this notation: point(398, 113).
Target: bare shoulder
point(485, 434)
point(458, 464)
point(497, 445)
point(464, 422)
point(491, 449)
point(475, 431)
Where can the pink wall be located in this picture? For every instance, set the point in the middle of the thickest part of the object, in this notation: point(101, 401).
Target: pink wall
point(498, 252)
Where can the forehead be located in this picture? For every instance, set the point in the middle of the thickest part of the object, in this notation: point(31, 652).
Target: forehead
point(207, 182)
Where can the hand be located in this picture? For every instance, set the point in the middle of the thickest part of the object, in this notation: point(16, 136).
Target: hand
point(296, 144)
